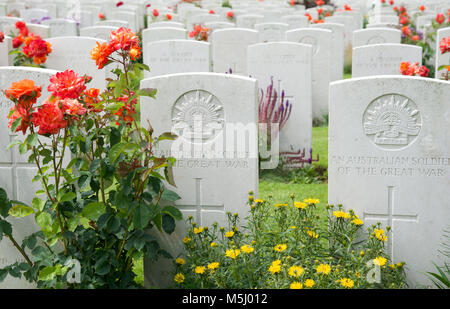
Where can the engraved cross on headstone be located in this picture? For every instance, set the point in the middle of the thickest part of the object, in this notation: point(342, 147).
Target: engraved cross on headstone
point(391, 218)
point(199, 207)
point(286, 95)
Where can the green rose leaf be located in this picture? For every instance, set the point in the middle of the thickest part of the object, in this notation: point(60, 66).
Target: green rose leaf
point(93, 210)
point(168, 223)
point(20, 211)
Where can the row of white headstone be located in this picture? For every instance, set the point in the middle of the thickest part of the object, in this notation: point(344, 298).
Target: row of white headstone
point(389, 160)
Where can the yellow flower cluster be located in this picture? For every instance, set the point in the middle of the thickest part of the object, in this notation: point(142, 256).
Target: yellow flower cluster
point(296, 286)
point(199, 269)
point(341, 214)
point(232, 253)
point(179, 278)
point(323, 269)
point(180, 261)
point(229, 234)
point(380, 261)
point(186, 240)
point(295, 271)
point(312, 234)
point(281, 205)
point(300, 205)
point(198, 230)
point(280, 247)
point(213, 265)
point(275, 267)
point(309, 283)
point(247, 249)
point(311, 201)
point(347, 283)
point(357, 221)
point(379, 234)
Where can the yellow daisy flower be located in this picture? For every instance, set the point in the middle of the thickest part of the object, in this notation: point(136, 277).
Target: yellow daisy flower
point(296, 286)
point(323, 269)
point(180, 261)
point(309, 283)
point(311, 201)
point(179, 278)
point(300, 205)
point(280, 247)
point(200, 269)
point(295, 271)
point(380, 261)
point(213, 244)
point(213, 265)
point(232, 253)
point(247, 249)
point(313, 234)
point(347, 283)
point(186, 240)
point(198, 230)
point(229, 234)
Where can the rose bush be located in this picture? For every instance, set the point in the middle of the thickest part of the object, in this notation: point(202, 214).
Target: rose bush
point(102, 183)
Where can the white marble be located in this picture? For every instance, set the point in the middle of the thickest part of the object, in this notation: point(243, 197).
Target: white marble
point(176, 56)
point(203, 108)
point(383, 59)
point(320, 40)
point(289, 65)
point(389, 162)
point(376, 36)
point(272, 31)
point(229, 49)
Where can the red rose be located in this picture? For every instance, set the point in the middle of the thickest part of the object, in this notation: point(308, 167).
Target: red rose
point(17, 41)
point(49, 118)
point(422, 8)
point(444, 45)
point(119, 3)
point(440, 18)
point(155, 12)
point(67, 85)
point(212, 12)
point(2, 37)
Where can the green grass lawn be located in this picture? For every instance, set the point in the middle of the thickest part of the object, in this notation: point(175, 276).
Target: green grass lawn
point(280, 191)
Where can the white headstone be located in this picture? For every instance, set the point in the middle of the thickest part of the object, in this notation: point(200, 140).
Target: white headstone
point(6, 20)
point(337, 42)
point(205, 109)
point(441, 59)
point(272, 32)
point(289, 65)
point(229, 49)
point(376, 36)
point(33, 15)
point(112, 23)
point(75, 53)
point(164, 24)
point(249, 20)
point(383, 59)
point(127, 16)
point(16, 173)
point(61, 27)
point(158, 34)
point(320, 40)
point(295, 21)
point(5, 48)
point(177, 56)
point(98, 32)
point(389, 162)
point(219, 25)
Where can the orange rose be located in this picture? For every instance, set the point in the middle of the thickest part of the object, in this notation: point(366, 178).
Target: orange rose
point(24, 92)
point(100, 54)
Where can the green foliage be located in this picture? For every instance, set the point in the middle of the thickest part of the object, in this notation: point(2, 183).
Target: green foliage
point(284, 245)
point(441, 278)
